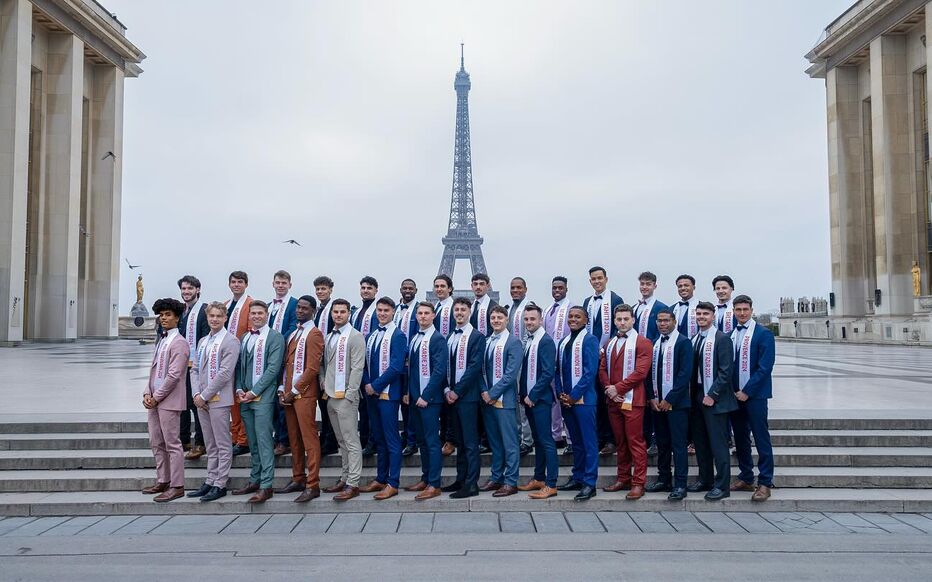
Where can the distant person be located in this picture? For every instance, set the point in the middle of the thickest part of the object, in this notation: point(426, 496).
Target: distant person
point(238, 323)
point(193, 326)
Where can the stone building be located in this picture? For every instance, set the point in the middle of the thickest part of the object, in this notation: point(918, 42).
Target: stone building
point(874, 61)
point(62, 67)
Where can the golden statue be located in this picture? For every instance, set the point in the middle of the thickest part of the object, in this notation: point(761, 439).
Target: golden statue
point(917, 280)
point(140, 289)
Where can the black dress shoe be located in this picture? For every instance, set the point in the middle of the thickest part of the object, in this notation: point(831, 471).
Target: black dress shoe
point(571, 485)
point(202, 491)
point(409, 450)
point(716, 494)
point(659, 486)
point(240, 450)
point(652, 450)
point(525, 450)
point(560, 444)
point(483, 449)
point(214, 494)
point(568, 450)
point(678, 494)
point(369, 450)
point(586, 493)
point(465, 492)
point(454, 486)
point(697, 487)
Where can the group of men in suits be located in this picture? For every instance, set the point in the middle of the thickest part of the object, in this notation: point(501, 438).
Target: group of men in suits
point(464, 373)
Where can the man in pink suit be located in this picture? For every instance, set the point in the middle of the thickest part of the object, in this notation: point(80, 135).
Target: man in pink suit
point(165, 397)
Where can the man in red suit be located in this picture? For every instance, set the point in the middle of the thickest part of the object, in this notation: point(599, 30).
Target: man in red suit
point(624, 365)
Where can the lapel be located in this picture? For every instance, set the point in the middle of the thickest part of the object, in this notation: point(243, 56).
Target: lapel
point(616, 353)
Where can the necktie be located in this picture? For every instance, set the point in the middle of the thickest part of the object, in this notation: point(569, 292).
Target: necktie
point(553, 310)
point(700, 344)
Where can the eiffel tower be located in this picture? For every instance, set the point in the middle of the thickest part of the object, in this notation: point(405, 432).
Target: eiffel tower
point(462, 240)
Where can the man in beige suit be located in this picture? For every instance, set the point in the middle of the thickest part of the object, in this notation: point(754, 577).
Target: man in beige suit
point(344, 360)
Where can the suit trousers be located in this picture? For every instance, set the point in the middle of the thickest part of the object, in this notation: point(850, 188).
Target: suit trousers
point(328, 440)
point(466, 422)
point(258, 419)
point(427, 428)
point(216, 424)
point(501, 427)
point(628, 426)
point(166, 446)
point(186, 418)
point(237, 428)
point(344, 413)
point(580, 421)
point(365, 435)
point(648, 423)
point(301, 418)
point(751, 418)
point(670, 431)
point(556, 422)
point(546, 464)
point(524, 426)
point(448, 424)
point(408, 438)
point(383, 426)
point(710, 438)
point(281, 425)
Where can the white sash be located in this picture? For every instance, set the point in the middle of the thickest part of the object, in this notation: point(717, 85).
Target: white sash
point(424, 360)
point(577, 366)
point(366, 325)
point(481, 324)
point(644, 316)
point(324, 319)
point(213, 357)
point(445, 306)
point(300, 352)
point(560, 321)
point(190, 332)
point(280, 314)
point(339, 384)
point(692, 326)
point(258, 364)
point(498, 364)
point(161, 357)
point(517, 319)
point(233, 324)
point(708, 357)
point(532, 358)
point(461, 343)
point(629, 360)
point(385, 353)
point(728, 321)
point(606, 313)
point(401, 320)
point(666, 375)
point(744, 355)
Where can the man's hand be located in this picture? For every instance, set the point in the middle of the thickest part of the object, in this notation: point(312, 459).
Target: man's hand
point(239, 396)
point(741, 396)
point(200, 402)
point(370, 391)
point(664, 406)
point(149, 402)
point(565, 400)
point(485, 398)
point(708, 400)
point(421, 403)
point(529, 402)
point(288, 398)
point(452, 397)
point(611, 392)
point(405, 399)
point(654, 405)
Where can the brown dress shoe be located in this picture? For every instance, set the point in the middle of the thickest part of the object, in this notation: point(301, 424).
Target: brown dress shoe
point(637, 491)
point(186, 446)
point(762, 493)
point(281, 450)
point(448, 449)
point(419, 486)
point(169, 494)
point(372, 487)
point(347, 494)
point(262, 496)
point(491, 486)
point(617, 486)
point(291, 487)
point(250, 488)
point(739, 485)
point(542, 493)
point(532, 485)
point(307, 495)
point(385, 493)
point(155, 488)
point(428, 493)
point(195, 453)
point(608, 449)
point(336, 488)
point(505, 491)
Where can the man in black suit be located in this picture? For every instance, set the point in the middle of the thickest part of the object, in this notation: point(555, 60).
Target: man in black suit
point(712, 399)
point(482, 306)
point(193, 326)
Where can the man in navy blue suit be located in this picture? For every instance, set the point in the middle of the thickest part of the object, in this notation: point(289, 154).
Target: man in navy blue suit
point(464, 384)
point(427, 376)
point(645, 322)
point(406, 321)
point(282, 319)
point(668, 385)
point(364, 320)
point(755, 352)
point(577, 370)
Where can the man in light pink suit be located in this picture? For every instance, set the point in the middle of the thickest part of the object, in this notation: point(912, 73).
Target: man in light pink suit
point(165, 397)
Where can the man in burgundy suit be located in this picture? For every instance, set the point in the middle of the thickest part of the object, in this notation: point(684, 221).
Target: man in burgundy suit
point(624, 365)
point(165, 397)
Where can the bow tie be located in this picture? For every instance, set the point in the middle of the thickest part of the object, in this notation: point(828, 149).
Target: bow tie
point(457, 330)
point(664, 338)
point(622, 335)
point(420, 333)
point(722, 305)
point(276, 301)
point(380, 328)
point(164, 334)
point(494, 338)
point(686, 303)
point(254, 331)
point(741, 327)
point(599, 297)
point(643, 301)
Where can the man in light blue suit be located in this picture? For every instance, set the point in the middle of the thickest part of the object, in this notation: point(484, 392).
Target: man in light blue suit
point(755, 352)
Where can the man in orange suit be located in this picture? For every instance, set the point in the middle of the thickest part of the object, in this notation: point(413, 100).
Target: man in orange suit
point(624, 365)
point(238, 323)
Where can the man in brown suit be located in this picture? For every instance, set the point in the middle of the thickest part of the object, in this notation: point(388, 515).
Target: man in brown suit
point(298, 395)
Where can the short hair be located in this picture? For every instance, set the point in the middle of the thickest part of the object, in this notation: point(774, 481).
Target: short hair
point(412, 281)
point(282, 274)
point(647, 276)
point(190, 280)
point(369, 280)
point(498, 309)
point(691, 279)
point(323, 280)
point(560, 278)
point(624, 307)
point(168, 304)
point(597, 268)
point(742, 299)
point(668, 311)
point(462, 301)
point(523, 282)
point(579, 308)
point(259, 303)
point(241, 275)
point(427, 304)
point(706, 306)
point(386, 300)
point(725, 278)
point(218, 305)
point(310, 299)
point(534, 307)
point(481, 277)
point(445, 278)
point(340, 301)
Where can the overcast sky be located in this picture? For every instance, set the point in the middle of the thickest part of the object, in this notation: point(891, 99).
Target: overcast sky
point(674, 136)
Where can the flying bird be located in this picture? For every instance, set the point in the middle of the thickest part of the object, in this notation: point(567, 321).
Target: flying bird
point(291, 241)
point(84, 232)
point(108, 155)
point(130, 265)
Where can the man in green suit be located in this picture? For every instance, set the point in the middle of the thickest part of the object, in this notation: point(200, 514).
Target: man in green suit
point(257, 376)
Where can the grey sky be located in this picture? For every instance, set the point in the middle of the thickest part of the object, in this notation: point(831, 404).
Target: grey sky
point(675, 136)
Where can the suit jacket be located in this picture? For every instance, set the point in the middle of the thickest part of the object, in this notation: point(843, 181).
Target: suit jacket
point(357, 318)
point(721, 391)
point(409, 327)
point(321, 309)
point(437, 314)
point(222, 385)
point(506, 389)
point(392, 375)
point(474, 318)
point(678, 397)
point(201, 328)
point(290, 319)
point(172, 394)
point(243, 323)
point(308, 383)
point(542, 390)
point(643, 356)
point(473, 382)
point(763, 353)
point(595, 323)
point(652, 332)
point(550, 321)
point(585, 387)
point(437, 352)
point(355, 362)
point(267, 385)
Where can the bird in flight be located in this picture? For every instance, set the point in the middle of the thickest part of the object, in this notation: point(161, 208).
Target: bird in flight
point(131, 266)
point(84, 232)
point(108, 155)
point(291, 241)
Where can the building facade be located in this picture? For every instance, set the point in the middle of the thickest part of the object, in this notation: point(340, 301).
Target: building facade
point(873, 59)
point(62, 67)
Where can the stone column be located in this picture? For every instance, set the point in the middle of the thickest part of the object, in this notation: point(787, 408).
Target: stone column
point(846, 192)
point(15, 59)
point(894, 174)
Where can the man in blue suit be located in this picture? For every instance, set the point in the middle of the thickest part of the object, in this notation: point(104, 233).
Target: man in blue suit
point(427, 376)
point(464, 384)
point(755, 351)
point(502, 366)
point(645, 323)
point(386, 349)
point(282, 318)
point(364, 320)
point(406, 321)
point(668, 386)
point(482, 306)
point(535, 391)
point(577, 371)
point(444, 322)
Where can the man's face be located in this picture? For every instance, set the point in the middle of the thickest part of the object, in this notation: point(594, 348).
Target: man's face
point(558, 290)
point(576, 319)
point(704, 318)
point(624, 321)
point(723, 291)
point(441, 289)
point(743, 313)
point(499, 322)
point(408, 291)
point(480, 288)
point(367, 291)
point(686, 289)
point(340, 315)
point(168, 319)
point(323, 292)
point(216, 318)
point(384, 313)
point(303, 311)
point(598, 280)
point(258, 317)
point(518, 290)
point(531, 320)
point(424, 316)
point(189, 292)
point(461, 314)
point(237, 286)
point(281, 285)
point(646, 287)
point(665, 323)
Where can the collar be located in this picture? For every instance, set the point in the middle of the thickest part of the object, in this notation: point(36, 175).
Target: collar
point(345, 327)
point(464, 328)
point(484, 300)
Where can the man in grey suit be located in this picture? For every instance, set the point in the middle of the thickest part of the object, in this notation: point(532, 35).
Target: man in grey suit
point(257, 375)
point(712, 399)
point(212, 373)
point(344, 360)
